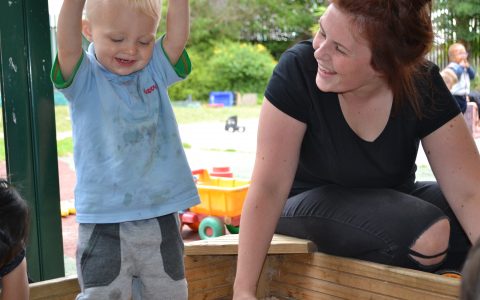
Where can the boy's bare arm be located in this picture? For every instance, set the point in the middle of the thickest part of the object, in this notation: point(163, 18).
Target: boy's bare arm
point(69, 35)
point(178, 28)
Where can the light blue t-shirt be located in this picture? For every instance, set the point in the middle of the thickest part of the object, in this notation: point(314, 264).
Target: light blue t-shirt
point(129, 159)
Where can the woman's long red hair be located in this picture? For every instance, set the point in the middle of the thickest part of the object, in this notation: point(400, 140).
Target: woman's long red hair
point(400, 35)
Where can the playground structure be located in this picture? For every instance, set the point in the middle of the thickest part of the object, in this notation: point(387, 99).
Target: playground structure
point(221, 204)
point(292, 270)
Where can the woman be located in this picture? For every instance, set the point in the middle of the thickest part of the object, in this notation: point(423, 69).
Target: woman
point(337, 142)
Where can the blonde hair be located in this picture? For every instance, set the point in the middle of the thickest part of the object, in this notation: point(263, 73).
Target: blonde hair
point(449, 77)
point(151, 8)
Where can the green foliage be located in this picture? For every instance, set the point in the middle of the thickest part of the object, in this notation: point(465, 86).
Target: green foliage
point(241, 67)
point(199, 83)
point(230, 66)
point(317, 12)
point(260, 21)
point(459, 21)
point(277, 20)
point(475, 84)
point(219, 64)
point(276, 48)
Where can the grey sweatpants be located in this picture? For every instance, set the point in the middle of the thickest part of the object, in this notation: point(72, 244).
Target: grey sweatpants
point(140, 258)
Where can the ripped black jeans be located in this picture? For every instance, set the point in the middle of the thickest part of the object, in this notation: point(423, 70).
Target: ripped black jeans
point(378, 225)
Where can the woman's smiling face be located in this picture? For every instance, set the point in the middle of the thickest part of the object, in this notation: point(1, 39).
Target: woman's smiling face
point(342, 54)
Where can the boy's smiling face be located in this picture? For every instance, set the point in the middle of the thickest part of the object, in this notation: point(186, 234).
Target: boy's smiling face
point(123, 36)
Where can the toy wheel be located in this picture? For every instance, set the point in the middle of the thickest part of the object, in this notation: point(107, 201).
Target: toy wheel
point(233, 229)
point(211, 227)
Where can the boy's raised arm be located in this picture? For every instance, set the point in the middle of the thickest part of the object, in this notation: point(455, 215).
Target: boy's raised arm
point(69, 35)
point(178, 28)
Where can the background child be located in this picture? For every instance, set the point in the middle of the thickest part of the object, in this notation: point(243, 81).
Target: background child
point(13, 236)
point(132, 173)
point(458, 62)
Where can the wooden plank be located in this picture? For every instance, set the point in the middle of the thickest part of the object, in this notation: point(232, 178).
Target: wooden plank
point(350, 286)
point(220, 293)
point(202, 261)
point(209, 283)
point(224, 267)
point(331, 288)
point(405, 277)
point(210, 277)
point(64, 288)
point(293, 276)
point(286, 291)
point(357, 274)
point(269, 269)
point(228, 245)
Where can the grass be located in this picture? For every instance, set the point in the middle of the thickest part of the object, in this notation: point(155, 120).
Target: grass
point(204, 113)
point(62, 118)
point(184, 115)
point(65, 147)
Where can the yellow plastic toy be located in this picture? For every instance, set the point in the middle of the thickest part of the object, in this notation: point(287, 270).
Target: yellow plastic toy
point(221, 205)
point(67, 208)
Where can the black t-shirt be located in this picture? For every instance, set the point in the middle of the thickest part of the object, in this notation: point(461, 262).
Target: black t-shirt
point(331, 152)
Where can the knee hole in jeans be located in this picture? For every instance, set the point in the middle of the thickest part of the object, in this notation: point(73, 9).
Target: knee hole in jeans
point(431, 246)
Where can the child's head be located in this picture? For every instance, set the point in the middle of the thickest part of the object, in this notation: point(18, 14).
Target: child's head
point(457, 53)
point(470, 289)
point(13, 222)
point(123, 32)
point(449, 77)
point(151, 8)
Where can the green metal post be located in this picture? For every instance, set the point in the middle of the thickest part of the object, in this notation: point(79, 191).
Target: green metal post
point(29, 128)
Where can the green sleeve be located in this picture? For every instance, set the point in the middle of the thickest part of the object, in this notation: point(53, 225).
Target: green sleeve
point(57, 77)
point(183, 67)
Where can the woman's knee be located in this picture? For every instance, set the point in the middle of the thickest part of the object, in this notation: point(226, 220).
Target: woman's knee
point(431, 246)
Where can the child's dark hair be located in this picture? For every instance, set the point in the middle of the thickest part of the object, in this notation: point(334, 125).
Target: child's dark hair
point(470, 289)
point(14, 220)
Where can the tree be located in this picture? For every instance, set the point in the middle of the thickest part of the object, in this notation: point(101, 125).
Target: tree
point(233, 66)
point(459, 21)
point(270, 22)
